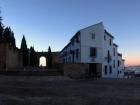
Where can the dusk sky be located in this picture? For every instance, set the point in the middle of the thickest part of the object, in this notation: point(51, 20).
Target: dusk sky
point(53, 22)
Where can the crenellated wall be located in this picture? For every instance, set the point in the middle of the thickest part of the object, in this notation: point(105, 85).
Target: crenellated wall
point(10, 57)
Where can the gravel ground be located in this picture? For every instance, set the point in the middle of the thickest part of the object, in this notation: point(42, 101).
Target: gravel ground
point(61, 90)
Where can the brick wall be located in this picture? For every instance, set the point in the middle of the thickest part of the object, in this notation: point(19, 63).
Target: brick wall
point(74, 70)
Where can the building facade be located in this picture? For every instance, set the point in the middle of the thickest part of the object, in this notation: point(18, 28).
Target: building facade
point(94, 45)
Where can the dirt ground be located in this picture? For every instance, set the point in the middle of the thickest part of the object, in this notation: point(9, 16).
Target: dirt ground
point(19, 90)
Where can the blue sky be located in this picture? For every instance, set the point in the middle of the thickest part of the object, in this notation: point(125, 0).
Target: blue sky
point(53, 22)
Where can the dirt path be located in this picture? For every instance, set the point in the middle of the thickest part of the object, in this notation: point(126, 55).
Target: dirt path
point(65, 91)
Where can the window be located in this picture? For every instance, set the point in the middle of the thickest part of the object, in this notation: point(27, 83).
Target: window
point(93, 36)
point(118, 72)
point(108, 53)
point(93, 52)
point(114, 63)
point(110, 42)
point(114, 51)
point(104, 37)
point(70, 58)
point(118, 63)
point(110, 69)
point(77, 52)
point(105, 69)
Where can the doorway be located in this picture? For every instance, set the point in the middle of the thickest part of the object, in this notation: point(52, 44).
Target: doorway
point(42, 61)
point(93, 68)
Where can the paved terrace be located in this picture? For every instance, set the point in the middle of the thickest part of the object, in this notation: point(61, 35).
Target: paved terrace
point(61, 90)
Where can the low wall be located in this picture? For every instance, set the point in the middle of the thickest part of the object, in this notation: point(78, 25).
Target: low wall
point(74, 70)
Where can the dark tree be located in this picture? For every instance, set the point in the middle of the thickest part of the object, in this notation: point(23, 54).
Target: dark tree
point(1, 29)
point(0, 16)
point(24, 50)
point(50, 58)
point(8, 35)
point(33, 57)
point(1, 32)
point(13, 40)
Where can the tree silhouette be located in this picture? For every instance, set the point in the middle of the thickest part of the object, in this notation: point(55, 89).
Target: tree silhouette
point(1, 29)
point(13, 40)
point(8, 35)
point(0, 16)
point(1, 32)
point(33, 57)
point(49, 57)
point(24, 50)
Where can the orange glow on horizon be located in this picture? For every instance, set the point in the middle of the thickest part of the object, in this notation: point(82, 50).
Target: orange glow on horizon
point(132, 61)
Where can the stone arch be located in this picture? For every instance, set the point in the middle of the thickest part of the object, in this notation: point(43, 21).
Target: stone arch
point(54, 54)
point(39, 60)
point(39, 55)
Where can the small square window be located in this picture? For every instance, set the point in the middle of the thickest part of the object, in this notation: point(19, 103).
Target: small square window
point(93, 36)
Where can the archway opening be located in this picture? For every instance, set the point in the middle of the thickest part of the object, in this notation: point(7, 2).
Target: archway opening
point(42, 61)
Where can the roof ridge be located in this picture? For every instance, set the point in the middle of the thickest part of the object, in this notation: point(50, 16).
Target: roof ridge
point(90, 26)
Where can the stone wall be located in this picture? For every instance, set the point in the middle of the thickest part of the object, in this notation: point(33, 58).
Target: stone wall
point(54, 54)
point(2, 55)
point(10, 57)
point(55, 57)
point(74, 70)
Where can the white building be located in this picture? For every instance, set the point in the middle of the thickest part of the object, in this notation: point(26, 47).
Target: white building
point(94, 45)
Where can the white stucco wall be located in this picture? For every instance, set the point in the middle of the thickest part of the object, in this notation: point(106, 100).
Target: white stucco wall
point(87, 42)
point(106, 47)
point(120, 67)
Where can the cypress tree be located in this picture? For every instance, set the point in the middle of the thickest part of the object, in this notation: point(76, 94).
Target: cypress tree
point(13, 40)
point(1, 29)
point(7, 35)
point(0, 16)
point(24, 50)
point(1, 32)
point(50, 58)
point(33, 57)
